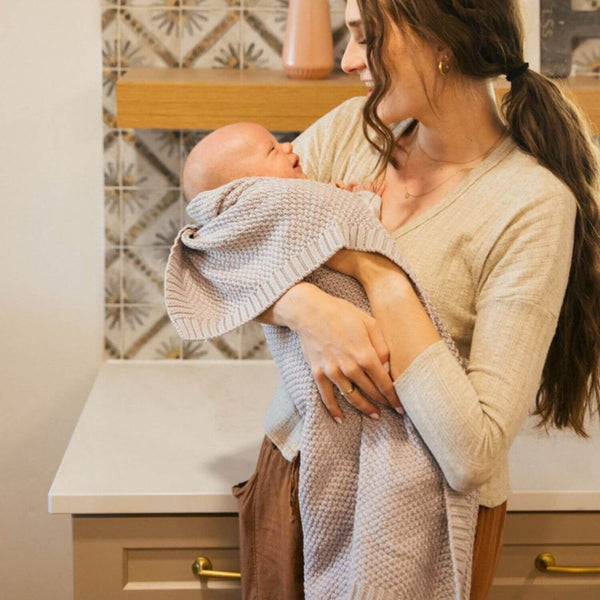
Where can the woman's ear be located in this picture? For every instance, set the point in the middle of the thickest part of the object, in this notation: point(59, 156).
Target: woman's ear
point(443, 52)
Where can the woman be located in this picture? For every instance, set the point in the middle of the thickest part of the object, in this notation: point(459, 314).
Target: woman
point(496, 213)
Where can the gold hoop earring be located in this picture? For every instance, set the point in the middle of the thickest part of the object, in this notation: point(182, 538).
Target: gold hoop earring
point(443, 67)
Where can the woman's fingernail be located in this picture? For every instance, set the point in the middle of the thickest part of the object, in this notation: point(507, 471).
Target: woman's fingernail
point(337, 420)
point(399, 410)
point(386, 366)
point(374, 415)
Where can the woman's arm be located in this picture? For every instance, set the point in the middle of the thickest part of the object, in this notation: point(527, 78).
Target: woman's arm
point(407, 328)
point(470, 419)
point(342, 344)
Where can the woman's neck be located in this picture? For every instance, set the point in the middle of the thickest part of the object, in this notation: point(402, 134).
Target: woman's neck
point(467, 125)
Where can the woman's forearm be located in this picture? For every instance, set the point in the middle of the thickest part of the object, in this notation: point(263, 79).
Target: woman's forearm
point(288, 310)
point(406, 326)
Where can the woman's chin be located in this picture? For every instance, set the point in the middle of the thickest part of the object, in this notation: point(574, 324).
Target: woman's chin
point(390, 116)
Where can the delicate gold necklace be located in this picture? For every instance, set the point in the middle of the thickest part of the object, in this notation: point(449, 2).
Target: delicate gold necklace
point(463, 162)
point(408, 195)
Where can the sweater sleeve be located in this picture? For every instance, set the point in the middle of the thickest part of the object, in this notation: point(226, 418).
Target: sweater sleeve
point(325, 147)
point(469, 419)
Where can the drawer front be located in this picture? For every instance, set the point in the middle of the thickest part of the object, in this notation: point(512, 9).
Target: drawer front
point(572, 538)
point(124, 557)
point(128, 556)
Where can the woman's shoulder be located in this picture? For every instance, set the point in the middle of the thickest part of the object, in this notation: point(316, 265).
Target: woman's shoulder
point(520, 183)
point(532, 176)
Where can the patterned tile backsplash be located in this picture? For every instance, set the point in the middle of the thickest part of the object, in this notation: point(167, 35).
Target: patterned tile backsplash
point(143, 204)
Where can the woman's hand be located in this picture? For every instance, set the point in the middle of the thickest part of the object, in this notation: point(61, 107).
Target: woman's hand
point(344, 347)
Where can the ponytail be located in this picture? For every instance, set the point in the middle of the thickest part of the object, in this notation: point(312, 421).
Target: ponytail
point(547, 124)
point(487, 41)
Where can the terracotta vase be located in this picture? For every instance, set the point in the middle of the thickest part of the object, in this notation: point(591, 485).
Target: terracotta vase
point(308, 44)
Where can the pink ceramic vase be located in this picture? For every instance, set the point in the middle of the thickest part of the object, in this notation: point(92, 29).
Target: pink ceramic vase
point(308, 44)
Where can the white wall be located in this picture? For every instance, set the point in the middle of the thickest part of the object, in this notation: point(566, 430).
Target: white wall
point(530, 9)
point(51, 253)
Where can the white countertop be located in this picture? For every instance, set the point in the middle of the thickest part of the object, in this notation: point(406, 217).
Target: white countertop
point(174, 436)
point(165, 437)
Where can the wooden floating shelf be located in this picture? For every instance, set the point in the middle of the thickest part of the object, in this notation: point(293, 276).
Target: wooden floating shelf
point(162, 98)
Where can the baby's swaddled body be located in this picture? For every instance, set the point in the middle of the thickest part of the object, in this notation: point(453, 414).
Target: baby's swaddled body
point(374, 504)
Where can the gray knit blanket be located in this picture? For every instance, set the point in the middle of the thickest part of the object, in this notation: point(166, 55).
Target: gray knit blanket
point(379, 520)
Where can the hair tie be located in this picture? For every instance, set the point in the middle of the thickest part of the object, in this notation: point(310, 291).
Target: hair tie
point(514, 73)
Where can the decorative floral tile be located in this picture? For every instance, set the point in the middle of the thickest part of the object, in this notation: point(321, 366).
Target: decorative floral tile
point(226, 346)
point(112, 276)
point(109, 97)
point(111, 158)
point(211, 39)
point(110, 36)
point(150, 158)
point(185, 4)
point(143, 273)
point(189, 139)
point(254, 344)
point(112, 331)
point(155, 339)
point(151, 35)
point(112, 216)
point(263, 34)
point(182, 213)
point(166, 346)
point(334, 5)
point(148, 333)
point(151, 217)
point(193, 350)
point(271, 4)
point(262, 39)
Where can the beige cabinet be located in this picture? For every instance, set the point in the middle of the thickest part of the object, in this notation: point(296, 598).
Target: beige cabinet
point(573, 538)
point(151, 556)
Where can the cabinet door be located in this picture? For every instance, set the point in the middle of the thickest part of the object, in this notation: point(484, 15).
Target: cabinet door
point(127, 556)
point(573, 538)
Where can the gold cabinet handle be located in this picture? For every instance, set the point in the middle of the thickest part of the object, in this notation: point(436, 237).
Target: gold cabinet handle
point(203, 567)
point(546, 563)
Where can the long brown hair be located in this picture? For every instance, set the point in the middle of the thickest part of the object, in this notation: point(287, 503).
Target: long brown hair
point(486, 40)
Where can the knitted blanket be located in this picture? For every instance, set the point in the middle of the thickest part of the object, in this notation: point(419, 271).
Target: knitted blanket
point(379, 520)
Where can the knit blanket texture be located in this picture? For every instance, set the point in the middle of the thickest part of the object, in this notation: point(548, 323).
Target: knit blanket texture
point(379, 520)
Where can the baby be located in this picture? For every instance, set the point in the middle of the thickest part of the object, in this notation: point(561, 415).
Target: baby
point(249, 150)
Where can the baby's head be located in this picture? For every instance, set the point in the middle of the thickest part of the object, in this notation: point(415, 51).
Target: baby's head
point(234, 151)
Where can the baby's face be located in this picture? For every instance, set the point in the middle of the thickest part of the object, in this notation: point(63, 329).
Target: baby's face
point(270, 158)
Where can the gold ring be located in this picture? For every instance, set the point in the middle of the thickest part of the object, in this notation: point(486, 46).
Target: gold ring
point(349, 391)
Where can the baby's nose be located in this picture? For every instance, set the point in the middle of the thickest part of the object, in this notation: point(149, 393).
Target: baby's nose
point(286, 147)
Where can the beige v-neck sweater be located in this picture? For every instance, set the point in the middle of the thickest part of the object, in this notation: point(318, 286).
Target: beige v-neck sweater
point(494, 256)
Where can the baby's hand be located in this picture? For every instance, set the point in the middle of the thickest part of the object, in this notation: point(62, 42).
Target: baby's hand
point(349, 187)
point(368, 186)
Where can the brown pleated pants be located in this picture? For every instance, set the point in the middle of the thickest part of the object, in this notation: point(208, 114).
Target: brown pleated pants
point(271, 533)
